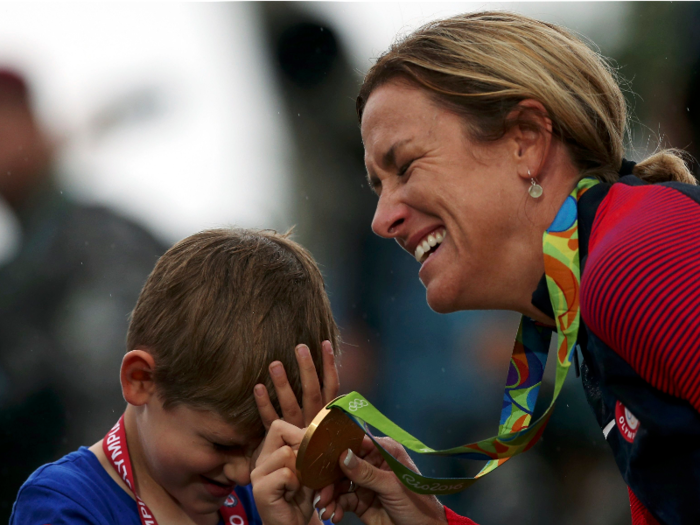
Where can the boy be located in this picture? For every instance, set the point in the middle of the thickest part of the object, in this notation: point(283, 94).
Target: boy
point(219, 308)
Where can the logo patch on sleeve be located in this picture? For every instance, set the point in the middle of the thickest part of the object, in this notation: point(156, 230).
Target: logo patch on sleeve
point(627, 423)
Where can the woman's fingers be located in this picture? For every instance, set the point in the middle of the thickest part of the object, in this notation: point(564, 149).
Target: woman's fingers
point(365, 475)
point(340, 500)
point(328, 512)
point(267, 411)
point(291, 412)
point(311, 400)
point(382, 494)
point(331, 382)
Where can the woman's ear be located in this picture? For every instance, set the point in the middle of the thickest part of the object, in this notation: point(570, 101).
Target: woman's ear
point(137, 377)
point(532, 135)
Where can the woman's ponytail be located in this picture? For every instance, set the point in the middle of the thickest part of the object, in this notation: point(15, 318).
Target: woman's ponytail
point(664, 166)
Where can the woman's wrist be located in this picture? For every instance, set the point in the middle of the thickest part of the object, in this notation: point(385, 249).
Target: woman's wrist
point(455, 519)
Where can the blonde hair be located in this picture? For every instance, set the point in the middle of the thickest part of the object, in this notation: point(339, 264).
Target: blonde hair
point(482, 65)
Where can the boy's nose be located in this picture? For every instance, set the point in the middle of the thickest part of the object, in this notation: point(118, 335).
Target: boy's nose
point(237, 469)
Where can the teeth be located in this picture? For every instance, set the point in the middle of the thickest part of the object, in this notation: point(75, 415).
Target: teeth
point(430, 242)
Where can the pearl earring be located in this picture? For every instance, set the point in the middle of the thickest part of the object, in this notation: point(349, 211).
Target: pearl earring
point(535, 190)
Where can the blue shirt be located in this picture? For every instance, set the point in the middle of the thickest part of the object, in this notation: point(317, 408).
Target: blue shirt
point(76, 490)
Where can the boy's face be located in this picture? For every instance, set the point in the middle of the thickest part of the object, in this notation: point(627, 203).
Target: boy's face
point(194, 455)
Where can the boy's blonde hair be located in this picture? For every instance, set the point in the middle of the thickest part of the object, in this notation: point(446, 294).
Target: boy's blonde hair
point(219, 307)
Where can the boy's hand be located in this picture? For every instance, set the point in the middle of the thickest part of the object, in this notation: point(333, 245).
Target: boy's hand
point(313, 397)
point(279, 496)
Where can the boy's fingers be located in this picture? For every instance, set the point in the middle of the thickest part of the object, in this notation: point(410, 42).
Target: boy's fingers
point(281, 434)
point(311, 399)
point(291, 412)
point(331, 382)
point(280, 458)
point(267, 412)
point(283, 483)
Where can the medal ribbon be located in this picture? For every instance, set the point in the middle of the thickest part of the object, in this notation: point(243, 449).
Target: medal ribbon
point(527, 364)
point(117, 452)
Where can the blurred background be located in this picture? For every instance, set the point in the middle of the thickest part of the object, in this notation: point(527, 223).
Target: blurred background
point(125, 127)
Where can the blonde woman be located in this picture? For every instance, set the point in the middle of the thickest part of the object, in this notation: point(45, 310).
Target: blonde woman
point(485, 131)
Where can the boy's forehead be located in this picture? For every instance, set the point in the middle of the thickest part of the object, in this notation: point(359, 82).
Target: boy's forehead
point(213, 425)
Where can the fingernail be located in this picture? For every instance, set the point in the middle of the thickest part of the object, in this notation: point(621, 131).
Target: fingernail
point(303, 351)
point(350, 460)
point(317, 498)
point(328, 347)
point(320, 512)
point(332, 515)
point(259, 390)
point(276, 369)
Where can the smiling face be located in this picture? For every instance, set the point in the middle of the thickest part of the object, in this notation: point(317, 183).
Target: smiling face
point(433, 182)
point(195, 456)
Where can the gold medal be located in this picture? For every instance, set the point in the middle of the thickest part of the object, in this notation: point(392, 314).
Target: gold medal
point(330, 434)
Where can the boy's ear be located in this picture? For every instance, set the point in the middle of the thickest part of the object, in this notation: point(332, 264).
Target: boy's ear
point(137, 377)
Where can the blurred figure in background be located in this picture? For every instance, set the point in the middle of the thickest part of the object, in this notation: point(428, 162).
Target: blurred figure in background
point(65, 298)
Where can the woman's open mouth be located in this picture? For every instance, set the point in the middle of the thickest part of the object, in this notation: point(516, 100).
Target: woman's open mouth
point(429, 245)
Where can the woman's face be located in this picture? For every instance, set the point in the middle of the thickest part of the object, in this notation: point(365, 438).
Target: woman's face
point(435, 184)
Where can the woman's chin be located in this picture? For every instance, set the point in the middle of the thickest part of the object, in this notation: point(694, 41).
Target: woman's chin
point(440, 301)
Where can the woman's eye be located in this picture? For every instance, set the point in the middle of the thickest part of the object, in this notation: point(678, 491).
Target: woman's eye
point(404, 168)
point(225, 448)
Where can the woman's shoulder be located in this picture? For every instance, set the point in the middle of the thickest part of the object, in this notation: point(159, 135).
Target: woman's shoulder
point(641, 281)
point(643, 236)
point(650, 213)
point(76, 490)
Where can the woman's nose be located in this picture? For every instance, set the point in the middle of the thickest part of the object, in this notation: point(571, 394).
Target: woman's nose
point(389, 216)
point(237, 469)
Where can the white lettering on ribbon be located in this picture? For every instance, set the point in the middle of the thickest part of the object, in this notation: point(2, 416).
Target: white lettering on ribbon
point(435, 487)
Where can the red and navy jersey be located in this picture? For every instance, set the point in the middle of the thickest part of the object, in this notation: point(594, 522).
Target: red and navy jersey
point(640, 304)
point(639, 248)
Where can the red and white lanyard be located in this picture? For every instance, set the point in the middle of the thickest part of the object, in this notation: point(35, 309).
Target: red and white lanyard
point(117, 452)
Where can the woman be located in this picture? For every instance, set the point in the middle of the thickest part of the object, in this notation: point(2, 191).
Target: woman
point(478, 133)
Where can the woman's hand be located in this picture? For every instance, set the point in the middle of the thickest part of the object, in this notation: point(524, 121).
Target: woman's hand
point(380, 498)
point(279, 496)
point(313, 397)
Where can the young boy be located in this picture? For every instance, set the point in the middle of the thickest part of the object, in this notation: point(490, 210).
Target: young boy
point(220, 308)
